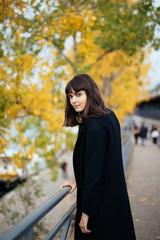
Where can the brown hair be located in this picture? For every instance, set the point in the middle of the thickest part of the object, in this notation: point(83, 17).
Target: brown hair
point(94, 105)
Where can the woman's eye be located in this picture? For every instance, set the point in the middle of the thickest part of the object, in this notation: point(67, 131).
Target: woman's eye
point(70, 96)
point(78, 95)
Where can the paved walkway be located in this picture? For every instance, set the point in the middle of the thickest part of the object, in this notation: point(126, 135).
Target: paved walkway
point(143, 181)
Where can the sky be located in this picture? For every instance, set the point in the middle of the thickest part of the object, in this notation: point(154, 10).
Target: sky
point(154, 72)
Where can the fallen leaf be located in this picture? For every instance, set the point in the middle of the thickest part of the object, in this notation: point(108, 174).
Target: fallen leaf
point(132, 195)
point(144, 199)
point(154, 203)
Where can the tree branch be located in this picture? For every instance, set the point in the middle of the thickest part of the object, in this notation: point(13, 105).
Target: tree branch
point(64, 56)
point(106, 52)
point(3, 10)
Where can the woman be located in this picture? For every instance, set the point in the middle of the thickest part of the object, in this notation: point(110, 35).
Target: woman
point(103, 209)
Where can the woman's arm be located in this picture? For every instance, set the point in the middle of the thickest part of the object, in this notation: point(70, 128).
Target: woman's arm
point(83, 223)
point(71, 183)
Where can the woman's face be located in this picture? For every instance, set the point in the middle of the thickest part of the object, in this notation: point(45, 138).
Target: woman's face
point(78, 100)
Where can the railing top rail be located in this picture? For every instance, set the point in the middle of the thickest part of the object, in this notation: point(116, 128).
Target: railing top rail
point(31, 219)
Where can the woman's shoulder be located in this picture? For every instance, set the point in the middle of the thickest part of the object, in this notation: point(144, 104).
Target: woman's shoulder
point(109, 113)
point(99, 120)
point(107, 121)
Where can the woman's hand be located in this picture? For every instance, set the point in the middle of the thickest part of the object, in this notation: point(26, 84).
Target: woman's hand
point(71, 183)
point(83, 223)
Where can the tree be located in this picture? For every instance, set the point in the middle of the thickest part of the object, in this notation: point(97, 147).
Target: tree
point(35, 62)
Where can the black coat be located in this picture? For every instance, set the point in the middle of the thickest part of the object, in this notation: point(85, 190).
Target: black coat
point(101, 187)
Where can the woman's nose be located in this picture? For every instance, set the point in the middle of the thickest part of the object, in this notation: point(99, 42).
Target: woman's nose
point(74, 99)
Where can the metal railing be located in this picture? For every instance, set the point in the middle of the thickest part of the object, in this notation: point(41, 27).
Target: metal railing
point(25, 227)
point(127, 147)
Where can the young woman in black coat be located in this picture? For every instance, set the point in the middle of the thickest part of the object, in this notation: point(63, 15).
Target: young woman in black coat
point(103, 209)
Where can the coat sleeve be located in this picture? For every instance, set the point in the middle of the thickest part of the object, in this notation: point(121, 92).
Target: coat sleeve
point(95, 152)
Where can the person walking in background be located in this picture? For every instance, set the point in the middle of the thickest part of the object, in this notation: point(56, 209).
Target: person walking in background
point(136, 133)
point(154, 134)
point(103, 208)
point(64, 168)
point(143, 133)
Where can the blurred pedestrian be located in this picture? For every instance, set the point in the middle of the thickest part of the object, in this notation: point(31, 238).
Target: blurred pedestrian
point(154, 134)
point(143, 133)
point(64, 168)
point(136, 133)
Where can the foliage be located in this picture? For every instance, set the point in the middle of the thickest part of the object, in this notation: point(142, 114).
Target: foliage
point(122, 83)
point(14, 209)
point(45, 42)
point(126, 25)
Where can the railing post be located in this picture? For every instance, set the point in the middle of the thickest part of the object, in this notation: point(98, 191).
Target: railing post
point(58, 226)
point(65, 230)
point(30, 234)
